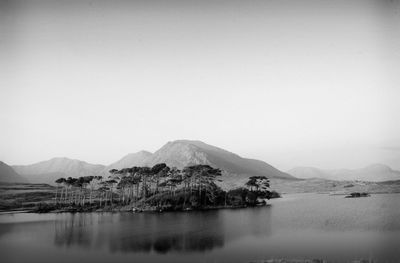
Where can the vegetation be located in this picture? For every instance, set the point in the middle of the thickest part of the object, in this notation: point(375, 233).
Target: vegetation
point(158, 188)
point(141, 188)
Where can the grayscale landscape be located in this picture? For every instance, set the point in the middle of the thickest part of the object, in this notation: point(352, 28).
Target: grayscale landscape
point(200, 131)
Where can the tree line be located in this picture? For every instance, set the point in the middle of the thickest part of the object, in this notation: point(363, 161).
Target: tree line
point(158, 186)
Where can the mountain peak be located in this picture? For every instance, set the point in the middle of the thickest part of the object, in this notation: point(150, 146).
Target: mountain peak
point(199, 144)
point(143, 152)
point(181, 153)
point(194, 142)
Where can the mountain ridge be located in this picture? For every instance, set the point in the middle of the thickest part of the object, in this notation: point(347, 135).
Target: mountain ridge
point(178, 153)
point(56, 167)
point(373, 173)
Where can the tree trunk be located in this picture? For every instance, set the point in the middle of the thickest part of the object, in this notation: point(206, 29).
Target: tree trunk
point(111, 192)
point(55, 201)
point(90, 197)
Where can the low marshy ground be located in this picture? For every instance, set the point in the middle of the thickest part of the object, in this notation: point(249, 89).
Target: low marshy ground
point(24, 196)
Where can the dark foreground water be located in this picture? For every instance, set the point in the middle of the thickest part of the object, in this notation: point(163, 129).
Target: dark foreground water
point(296, 226)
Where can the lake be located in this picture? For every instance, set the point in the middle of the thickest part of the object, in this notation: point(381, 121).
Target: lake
point(295, 226)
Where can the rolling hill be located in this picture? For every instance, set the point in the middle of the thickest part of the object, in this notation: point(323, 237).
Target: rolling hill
point(48, 171)
point(8, 175)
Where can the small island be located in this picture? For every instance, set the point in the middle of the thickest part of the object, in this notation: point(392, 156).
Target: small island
point(156, 189)
point(357, 195)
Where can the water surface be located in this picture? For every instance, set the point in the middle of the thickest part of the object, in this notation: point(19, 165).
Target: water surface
point(296, 226)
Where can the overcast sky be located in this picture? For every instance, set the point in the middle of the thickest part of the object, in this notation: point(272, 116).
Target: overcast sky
point(314, 83)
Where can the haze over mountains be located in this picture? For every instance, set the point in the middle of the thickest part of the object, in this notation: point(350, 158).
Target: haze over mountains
point(178, 154)
point(50, 170)
point(372, 173)
point(181, 153)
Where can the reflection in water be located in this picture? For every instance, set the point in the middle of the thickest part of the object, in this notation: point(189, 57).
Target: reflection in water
point(127, 232)
point(74, 229)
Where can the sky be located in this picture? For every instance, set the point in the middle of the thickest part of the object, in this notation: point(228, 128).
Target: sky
point(314, 83)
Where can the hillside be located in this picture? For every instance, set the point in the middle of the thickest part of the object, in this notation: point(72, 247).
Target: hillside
point(184, 152)
point(372, 173)
point(133, 159)
point(8, 175)
point(50, 170)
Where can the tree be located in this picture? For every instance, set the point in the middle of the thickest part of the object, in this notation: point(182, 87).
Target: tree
point(174, 179)
point(144, 173)
point(203, 177)
point(70, 182)
point(103, 190)
point(58, 182)
point(110, 184)
point(258, 186)
point(158, 171)
point(96, 181)
point(78, 184)
point(113, 171)
point(85, 182)
point(258, 182)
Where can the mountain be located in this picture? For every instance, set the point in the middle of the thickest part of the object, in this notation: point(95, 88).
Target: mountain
point(372, 173)
point(49, 171)
point(236, 169)
point(8, 175)
point(182, 153)
point(178, 154)
point(133, 159)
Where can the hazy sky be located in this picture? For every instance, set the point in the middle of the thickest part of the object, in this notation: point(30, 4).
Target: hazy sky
point(314, 83)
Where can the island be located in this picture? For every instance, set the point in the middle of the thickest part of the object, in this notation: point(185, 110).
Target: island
point(151, 189)
point(356, 195)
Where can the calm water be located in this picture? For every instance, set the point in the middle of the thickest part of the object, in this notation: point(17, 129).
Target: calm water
point(296, 226)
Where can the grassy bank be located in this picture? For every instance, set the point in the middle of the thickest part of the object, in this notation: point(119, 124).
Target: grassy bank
point(40, 198)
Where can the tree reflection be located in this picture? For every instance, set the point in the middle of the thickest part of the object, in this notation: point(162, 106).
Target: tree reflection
point(74, 229)
point(126, 232)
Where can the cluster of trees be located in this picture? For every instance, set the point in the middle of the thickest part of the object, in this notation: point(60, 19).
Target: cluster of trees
point(74, 190)
point(256, 190)
point(158, 186)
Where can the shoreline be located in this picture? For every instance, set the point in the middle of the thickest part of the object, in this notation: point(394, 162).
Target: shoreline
point(37, 210)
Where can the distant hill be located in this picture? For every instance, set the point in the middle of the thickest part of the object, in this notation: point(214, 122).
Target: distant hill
point(8, 175)
point(49, 171)
point(372, 173)
point(318, 185)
